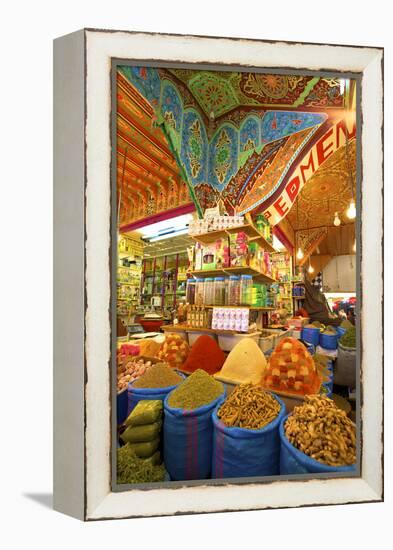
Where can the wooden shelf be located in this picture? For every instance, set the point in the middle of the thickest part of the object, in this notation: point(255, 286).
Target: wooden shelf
point(246, 270)
point(252, 308)
point(250, 230)
point(185, 328)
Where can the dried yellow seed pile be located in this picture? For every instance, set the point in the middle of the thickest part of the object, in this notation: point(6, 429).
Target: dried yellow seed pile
point(322, 431)
point(250, 407)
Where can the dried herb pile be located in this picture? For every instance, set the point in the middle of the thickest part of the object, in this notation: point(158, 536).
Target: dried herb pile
point(197, 390)
point(349, 338)
point(250, 407)
point(132, 469)
point(159, 375)
point(322, 431)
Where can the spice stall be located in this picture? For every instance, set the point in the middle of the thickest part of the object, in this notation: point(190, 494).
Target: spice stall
point(233, 240)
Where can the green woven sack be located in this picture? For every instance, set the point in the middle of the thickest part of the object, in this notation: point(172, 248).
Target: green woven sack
point(145, 412)
point(137, 434)
point(146, 448)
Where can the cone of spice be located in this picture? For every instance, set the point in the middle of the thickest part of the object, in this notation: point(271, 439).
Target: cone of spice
point(197, 390)
point(205, 354)
point(159, 375)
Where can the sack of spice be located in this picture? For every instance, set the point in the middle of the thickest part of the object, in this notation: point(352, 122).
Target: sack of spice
point(139, 434)
point(205, 354)
point(188, 426)
point(246, 440)
point(145, 449)
point(145, 412)
point(174, 350)
point(155, 385)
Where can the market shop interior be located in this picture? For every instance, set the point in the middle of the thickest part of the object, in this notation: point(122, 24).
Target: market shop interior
point(236, 274)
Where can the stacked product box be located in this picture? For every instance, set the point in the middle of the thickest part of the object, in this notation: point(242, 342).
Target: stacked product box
point(227, 318)
point(258, 295)
point(238, 248)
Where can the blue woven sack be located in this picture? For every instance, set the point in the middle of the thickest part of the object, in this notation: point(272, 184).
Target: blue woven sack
point(141, 394)
point(122, 406)
point(188, 440)
point(293, 461)
point(241, 452)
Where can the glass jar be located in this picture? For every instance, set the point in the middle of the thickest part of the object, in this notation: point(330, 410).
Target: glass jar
point(219, 291)
point(246, 290)
point(234, 290)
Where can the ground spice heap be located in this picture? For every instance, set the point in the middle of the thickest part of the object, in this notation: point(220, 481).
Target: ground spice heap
point(159, 375)
point(205, 354)
point(322, 431)
point(250, 407)
point(197, 390)
point(132, 469)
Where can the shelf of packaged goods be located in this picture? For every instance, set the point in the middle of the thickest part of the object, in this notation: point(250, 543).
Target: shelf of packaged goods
point(246, 270)
point(250, 230)
point(124, 283)
point(252, 308)
point(185, 328)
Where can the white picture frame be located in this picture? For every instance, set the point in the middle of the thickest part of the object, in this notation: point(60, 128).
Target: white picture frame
point(82, 245)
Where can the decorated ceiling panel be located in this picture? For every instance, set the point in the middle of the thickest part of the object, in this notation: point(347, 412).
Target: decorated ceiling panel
point(226, 135)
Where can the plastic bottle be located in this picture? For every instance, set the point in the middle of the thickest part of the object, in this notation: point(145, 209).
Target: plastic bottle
point(246, 290)
point(234, 290)
point(219, 291)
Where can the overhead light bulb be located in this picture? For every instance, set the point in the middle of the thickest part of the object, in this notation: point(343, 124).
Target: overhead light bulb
point(299, 254)
point(351, 212)
point(336, 220)
point(310, 269)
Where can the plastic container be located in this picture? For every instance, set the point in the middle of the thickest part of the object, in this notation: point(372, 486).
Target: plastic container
point(122, 406)
point(234, 290)
point(199, 292)
point(228, 341)
point(188, 439)
point(246, 290)
point(219, 291)
point(311, 335)
point(293, 461)
point(240, 452)
point(208, 293)
point(328, 341)
point(190, 291)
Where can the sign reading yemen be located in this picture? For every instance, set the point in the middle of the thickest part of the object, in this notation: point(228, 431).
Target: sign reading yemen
point(332, 139)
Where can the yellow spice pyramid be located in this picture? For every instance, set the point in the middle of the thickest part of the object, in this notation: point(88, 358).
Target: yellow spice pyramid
point(245, 363)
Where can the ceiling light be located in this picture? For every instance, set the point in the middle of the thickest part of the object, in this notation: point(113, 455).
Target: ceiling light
point(154, 229)
point(336, 220)
point(299, 254)
point(310, 269)
point(351, 212)
point(168, 235)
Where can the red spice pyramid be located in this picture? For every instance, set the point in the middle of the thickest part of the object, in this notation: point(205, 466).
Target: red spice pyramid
point(206, 355)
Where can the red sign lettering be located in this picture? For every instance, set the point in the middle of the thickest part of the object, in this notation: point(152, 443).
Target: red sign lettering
point(281, 206)
point(304, 167)
point(293, 188)
point(321, 149)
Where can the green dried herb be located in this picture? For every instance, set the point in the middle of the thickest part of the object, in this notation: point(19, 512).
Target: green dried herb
point(349, 338)
point(131, 469)
point(197, 390)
